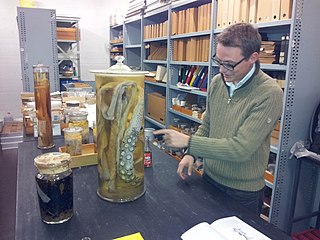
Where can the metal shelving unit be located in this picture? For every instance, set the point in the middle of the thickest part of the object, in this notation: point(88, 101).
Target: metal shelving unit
point(301, 96)
point(69, 49)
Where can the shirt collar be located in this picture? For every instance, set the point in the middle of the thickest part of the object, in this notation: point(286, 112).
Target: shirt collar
point(233, 87)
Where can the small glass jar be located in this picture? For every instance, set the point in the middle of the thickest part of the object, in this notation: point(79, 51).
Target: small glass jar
point(54, 182)
point(73, 140)
point(71, 106)
point(79, 119)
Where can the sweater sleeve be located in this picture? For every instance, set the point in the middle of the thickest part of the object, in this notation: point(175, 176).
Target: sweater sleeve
point(254, 131)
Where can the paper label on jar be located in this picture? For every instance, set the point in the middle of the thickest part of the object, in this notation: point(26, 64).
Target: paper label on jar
point(42, 126)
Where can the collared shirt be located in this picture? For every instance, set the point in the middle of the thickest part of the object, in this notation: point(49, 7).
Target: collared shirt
point(233, 87)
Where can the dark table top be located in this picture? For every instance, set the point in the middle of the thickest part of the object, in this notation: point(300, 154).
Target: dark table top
point(169, 207)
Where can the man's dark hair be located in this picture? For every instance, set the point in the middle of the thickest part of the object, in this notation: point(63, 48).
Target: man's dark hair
point(242, 35)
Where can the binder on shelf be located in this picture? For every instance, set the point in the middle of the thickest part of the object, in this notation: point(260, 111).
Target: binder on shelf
point(264, 11)
point(275, 11)
point(253, 4)
point(186, 74)
point(194, 75)
point(174, 23)
point(230, 12)
point(225, 13)
point(245, 11)
point(190, 74)
point(219, 14)
point(203, 77)
point(237, 11)
point(199, 77)
point(285, 9)
point(284, 47)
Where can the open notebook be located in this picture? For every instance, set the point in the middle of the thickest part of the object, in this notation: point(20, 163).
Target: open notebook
point(229, 228)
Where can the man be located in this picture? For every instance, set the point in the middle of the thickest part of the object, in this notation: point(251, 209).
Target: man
point(243, 107)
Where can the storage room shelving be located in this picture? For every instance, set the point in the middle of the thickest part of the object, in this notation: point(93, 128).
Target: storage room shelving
point(68, 43)
point(116, 42)
point(300, 75)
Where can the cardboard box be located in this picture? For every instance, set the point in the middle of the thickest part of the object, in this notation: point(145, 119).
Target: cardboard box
point(157, 107)
point(68, 33)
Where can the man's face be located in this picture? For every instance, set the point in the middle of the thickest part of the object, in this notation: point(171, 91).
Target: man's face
point(232, 55)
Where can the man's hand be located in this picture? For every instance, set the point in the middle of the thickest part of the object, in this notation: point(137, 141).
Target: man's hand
point(186, 162)
point(173, 138)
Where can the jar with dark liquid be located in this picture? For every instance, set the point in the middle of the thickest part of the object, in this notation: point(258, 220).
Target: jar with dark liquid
point(54, 182)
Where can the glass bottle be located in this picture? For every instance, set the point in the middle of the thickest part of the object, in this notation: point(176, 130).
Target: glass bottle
point(43, 106)
point(119, 121)
point(73, 140)
point(148, 138)
point(79, 119)
point(54, 182)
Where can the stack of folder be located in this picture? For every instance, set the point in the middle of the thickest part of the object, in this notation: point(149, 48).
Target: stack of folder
point(269, 52)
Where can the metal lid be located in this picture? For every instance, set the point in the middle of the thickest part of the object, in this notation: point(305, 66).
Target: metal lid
point(120, 68)
point(53, 162)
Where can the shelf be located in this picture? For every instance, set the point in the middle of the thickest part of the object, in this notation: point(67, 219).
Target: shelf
point(193, 34)
point(116, 26)
point(197, 120)
point(160, 125)
point(159, 84)
point(155, 39)
point(189, 63)
point(155, 61)
point(196, 92)
point(133, 46)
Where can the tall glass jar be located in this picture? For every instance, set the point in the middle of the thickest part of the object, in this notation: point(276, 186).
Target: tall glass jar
point(43, 106)
point(79, 119)
point(119, 121)
point(54, 181)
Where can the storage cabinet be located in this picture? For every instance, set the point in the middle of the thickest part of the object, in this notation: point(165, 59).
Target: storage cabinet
point(38, 44)
point(293, 21)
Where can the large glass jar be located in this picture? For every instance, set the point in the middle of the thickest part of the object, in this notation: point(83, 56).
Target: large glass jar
point(54, 181)
point(43, 106)
point(119, 121)
point(79, 119)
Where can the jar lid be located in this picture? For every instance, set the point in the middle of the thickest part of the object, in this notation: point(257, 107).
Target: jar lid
point(78, 114)
point(73, 130)
point(40, 68)
point(120, 68)
point(53, 162)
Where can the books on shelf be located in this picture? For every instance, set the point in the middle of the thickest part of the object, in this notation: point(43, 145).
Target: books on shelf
point(229, 228)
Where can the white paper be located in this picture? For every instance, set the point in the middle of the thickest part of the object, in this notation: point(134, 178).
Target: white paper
point(230, 228)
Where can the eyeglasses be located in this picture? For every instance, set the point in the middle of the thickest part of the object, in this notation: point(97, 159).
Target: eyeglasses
point(227, 66)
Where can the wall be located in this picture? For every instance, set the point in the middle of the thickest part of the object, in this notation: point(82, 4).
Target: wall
point(94, 47)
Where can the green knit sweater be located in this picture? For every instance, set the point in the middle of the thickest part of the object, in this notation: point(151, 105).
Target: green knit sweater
point(234, 138)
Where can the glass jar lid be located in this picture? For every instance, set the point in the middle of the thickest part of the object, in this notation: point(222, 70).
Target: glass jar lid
point(78, 115)
point(53, 162)
point(73, 130)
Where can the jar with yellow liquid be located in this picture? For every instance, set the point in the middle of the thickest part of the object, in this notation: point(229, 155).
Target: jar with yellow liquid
point(120, 141)
point(73, 140)
point(79, 119)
